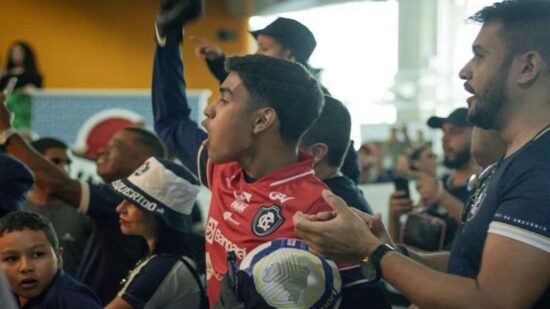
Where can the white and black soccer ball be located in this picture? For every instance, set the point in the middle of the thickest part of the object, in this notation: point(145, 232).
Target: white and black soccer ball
point(287, 275)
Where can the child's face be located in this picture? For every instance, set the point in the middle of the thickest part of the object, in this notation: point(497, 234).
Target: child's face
point(29, 261)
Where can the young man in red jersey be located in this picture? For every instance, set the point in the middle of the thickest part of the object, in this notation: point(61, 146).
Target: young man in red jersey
point(249, 159)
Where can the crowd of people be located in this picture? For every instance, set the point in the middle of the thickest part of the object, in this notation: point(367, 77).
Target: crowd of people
point(277, 157)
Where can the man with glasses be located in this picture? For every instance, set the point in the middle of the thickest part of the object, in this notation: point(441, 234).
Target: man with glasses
point(72, 228)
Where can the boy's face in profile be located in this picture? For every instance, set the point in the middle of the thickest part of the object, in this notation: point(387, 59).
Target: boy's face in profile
point(29, 261)
point(229, 122)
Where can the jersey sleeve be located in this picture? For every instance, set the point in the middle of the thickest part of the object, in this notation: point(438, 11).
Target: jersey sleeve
point(524, 212)
point(217, 68)
point(171, 109)
point(100, 202)
point(319, 205)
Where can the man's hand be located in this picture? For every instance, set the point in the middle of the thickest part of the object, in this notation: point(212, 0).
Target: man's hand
point(205, 49)
point(399, 204)
point(429, 188)
point(376, 226)
point(346, 238)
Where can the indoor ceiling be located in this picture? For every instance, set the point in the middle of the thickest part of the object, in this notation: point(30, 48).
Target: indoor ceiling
point(268, 7)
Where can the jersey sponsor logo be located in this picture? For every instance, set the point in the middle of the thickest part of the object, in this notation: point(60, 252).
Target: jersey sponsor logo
point(142, 169)
point(227, 216)
point(267, 220)
point(210, 271)
point(213, 234)
point(241, 200)
point(238, 206)
point(243, 196)
point(281, 197)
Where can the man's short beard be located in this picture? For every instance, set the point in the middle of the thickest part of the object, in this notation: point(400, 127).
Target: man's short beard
point(461, 159)
point(487, 114)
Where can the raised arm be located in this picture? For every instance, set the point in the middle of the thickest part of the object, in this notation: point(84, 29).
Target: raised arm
point(214, 57)
point(48, 177)
point(170, 105)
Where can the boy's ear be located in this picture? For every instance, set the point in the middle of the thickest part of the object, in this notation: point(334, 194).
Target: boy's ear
point(59, 256)
point(263, 119)
point(318, 150)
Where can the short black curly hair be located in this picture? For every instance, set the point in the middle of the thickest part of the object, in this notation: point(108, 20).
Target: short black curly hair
point(20, 220)
point(525, 25)
point(332, 128)
point(285, 86)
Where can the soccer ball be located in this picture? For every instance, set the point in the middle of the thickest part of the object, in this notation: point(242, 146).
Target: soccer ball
point(287, 275)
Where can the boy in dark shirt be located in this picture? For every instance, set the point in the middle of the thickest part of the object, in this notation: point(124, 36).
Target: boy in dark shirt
point(31, 258)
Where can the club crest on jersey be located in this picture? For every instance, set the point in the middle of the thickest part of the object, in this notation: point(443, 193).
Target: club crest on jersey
point(267, 220)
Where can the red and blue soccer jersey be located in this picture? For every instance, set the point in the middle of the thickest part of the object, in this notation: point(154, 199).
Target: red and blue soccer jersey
point(244, 215)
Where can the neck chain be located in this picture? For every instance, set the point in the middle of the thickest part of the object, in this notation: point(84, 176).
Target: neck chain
point(481, 181)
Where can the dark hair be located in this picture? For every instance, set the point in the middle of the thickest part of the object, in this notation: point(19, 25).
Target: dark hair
point(149, 142)
point(19, 221)
point(43, 144)
point(283, 85)
point(333, 128)
point(172, 241)
point(525, 25)
point(29, 61)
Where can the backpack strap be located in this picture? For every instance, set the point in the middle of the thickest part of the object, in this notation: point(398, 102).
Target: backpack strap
point(195, 274)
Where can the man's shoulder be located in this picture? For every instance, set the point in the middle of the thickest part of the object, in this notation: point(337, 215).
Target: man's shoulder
point(66, 292)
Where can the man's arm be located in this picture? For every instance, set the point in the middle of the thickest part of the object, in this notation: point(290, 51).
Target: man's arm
point(432, 191)
point(170, 106)
point(214, 57)
point(48, 177)
point(453, 205)
point(434, 260)
point(513, 274)
point(217, 68)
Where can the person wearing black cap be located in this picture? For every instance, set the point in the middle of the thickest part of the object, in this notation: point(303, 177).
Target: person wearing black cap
point(15, 180)
point(457, 140)
point(284, 38)
point(158, 197)
point(444, 198)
